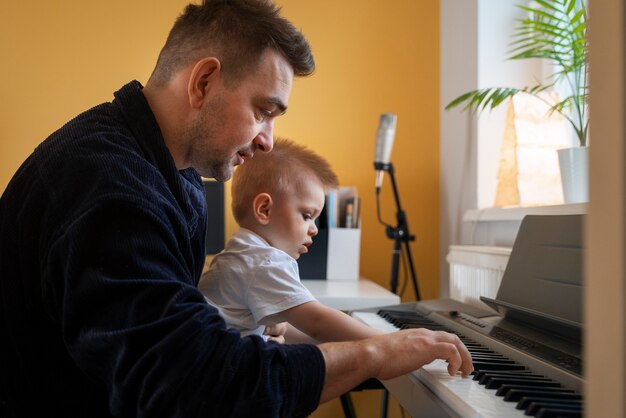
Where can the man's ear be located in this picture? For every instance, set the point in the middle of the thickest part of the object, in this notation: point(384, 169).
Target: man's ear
point(262, 208)
point(203, 76)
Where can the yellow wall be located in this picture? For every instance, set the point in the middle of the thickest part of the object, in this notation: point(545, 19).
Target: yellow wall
point(61, 57)
point(375, 57)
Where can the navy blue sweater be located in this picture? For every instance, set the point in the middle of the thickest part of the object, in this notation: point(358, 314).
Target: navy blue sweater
point(101, 249)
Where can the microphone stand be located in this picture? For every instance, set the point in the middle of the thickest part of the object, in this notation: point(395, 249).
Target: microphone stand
point(400, 235)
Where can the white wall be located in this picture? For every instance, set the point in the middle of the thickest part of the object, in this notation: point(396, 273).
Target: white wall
point(497, 20)
point(459, 73)
point(474, 45)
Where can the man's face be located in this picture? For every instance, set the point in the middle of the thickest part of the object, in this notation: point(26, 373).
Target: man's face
point(291, 226)
point(236, 121)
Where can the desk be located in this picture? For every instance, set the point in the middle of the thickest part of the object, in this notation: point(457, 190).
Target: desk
point(349, 295)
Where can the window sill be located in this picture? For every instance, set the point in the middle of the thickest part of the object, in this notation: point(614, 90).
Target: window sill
point(518, 213)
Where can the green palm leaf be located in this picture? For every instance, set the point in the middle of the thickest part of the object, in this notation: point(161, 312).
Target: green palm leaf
point(555, 30)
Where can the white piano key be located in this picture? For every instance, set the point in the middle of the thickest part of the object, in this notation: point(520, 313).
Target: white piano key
point(463, 395)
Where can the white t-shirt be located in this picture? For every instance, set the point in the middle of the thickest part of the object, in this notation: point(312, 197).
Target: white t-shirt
point(250, 280)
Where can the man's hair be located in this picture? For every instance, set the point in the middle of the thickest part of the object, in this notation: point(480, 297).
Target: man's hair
point(277, 173)
point(236, 32)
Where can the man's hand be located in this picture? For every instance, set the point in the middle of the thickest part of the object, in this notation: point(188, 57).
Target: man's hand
point(388, 356)
point(276, 332)
point(414, 348)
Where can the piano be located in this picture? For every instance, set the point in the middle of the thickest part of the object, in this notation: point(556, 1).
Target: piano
point(526, 343)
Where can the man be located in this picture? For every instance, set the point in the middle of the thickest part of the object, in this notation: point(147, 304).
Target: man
point(102, 245)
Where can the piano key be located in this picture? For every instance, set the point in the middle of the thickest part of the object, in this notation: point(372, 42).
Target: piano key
point(534, 407)
point(484, 353)
point(469, 340)
point(479, 349)
point(423, 325)
point(488, 377)
point(479, 352)
point(514, 394)
point(483, 373)
point(494, 360)
point(525, 402)
point(506, 387)
point(487, 356)
point(558, 413)
point(485, 365)
point(464, 395)
point(497, 382)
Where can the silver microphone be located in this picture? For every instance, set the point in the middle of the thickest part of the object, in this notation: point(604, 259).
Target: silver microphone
point(384, 143)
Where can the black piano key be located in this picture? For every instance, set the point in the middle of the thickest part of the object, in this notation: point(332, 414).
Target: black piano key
point(472, 344)
point(479, 350)
point(513, 374)
point(430, 327)
point(487, 354)
point(420, 324)
point(497, 382)
point(493, 360)
point(482, 373)
point(470, 341)
point(558, 413)
point(496, 358)
point(486, 365)
point(534, 407)
point(525, 401)
point(487, 377)
point(513, 393)
point(478, 347)
point(474, 352)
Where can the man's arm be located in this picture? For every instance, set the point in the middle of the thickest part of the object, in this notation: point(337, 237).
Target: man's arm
point(388, 356)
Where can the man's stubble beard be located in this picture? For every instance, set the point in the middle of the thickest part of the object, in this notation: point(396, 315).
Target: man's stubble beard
point(201, 136)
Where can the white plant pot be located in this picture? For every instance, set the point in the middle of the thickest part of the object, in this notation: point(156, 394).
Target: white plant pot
point(574, 163)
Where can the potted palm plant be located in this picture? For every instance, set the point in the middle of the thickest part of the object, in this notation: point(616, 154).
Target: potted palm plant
point(555, 30)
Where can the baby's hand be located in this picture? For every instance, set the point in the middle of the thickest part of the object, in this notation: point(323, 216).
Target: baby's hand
point(276, 332)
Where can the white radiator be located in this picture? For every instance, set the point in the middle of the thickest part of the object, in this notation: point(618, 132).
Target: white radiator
point(476, 270)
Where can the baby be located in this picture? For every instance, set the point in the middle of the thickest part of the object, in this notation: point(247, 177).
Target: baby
point(276, 198)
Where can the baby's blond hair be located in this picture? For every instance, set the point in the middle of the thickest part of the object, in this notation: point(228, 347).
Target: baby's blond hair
point(277, 172)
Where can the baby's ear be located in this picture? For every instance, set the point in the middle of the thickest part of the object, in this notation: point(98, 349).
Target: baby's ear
point(262, 208)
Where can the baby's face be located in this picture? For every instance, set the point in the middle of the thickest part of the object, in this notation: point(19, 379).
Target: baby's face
point(292, 221)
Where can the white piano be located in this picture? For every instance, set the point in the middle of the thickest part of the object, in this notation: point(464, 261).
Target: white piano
point(525, 343)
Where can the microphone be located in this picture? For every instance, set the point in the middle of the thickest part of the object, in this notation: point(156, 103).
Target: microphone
point(384, 143)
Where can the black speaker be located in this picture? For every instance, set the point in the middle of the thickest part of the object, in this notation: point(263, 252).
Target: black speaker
point(214, 194)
